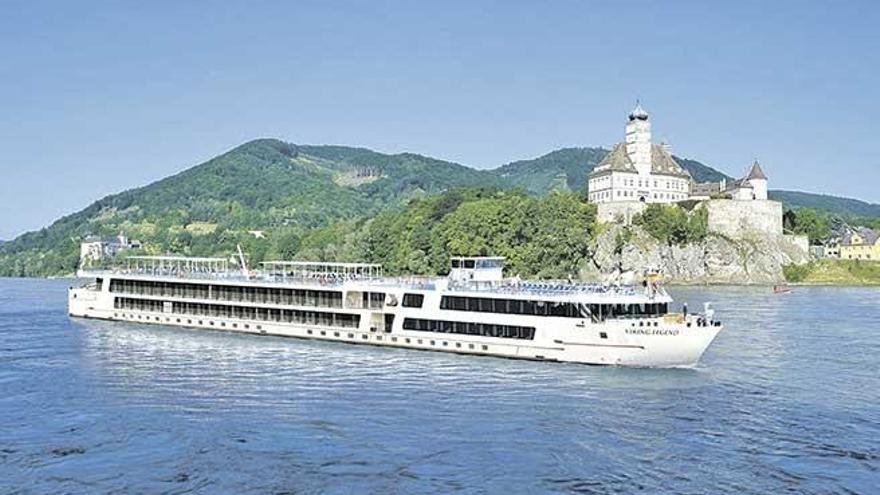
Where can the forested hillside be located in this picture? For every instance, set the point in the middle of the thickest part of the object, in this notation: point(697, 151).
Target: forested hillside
point(278, 199)
point(265, 185)
point(568, 168)
point(844, 207)
point(563, 169)
point(540, 236)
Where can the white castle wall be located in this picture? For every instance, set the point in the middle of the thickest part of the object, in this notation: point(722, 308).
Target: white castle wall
point(738, 219)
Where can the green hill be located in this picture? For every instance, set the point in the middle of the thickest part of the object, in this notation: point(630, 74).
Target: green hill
point(567, 168)
point(844, 207)
point(286, 191)
point(261, 185)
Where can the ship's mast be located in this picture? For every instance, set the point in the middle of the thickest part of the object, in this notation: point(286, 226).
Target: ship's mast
point(244, 268)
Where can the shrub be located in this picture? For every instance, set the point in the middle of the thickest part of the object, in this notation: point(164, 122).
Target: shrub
point(672, 224)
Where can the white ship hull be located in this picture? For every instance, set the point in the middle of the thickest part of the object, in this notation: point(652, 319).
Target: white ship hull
point(662, 341)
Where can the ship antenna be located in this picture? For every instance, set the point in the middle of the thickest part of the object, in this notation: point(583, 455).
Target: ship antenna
point(244, 268)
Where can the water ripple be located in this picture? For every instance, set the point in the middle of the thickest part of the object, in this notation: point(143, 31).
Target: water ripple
point(785, 401)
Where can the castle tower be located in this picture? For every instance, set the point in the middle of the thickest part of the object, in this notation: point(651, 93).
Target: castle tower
point(758, 181)
point(638, 140)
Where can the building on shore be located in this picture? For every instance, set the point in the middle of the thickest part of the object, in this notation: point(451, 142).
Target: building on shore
point(95, 248)
point(752, 187)
point(637, 170)
point(860, 243)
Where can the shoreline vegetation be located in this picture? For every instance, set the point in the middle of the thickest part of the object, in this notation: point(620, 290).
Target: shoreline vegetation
point(409, 212)
point(834, 272)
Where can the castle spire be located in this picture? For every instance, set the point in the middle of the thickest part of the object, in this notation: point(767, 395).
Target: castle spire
point(756, 172)
point(638, 112)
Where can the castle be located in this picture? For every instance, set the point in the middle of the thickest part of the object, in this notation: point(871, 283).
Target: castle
point(637, 172)
point(752, 187)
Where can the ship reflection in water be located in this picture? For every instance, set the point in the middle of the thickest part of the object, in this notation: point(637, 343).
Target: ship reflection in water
point(784, 400)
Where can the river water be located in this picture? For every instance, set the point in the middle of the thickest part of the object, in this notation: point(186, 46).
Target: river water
point(786, 400)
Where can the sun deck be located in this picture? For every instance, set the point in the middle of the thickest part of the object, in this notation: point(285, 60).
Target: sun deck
point(335, 275)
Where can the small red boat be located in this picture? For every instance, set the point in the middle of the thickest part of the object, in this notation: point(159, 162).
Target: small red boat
point(781, 289)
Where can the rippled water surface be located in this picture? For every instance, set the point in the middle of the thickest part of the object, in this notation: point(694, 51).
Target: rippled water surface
point(786, 400)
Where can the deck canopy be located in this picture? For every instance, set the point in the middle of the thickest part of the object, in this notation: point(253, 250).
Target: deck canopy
point(477, 269)
point(477, 262)
point(177, 264)
point(318, 269)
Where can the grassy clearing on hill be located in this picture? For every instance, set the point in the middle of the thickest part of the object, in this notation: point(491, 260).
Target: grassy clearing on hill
point(834, 272)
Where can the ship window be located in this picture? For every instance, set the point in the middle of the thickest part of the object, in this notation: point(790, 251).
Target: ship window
point(413, 300)
point(469, 328)
point(603, 335)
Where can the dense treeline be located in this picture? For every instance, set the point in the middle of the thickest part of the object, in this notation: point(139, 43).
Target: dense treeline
point(821, 225)
point(543, 237)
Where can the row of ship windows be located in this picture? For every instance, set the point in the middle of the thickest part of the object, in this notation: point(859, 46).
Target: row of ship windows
point(263, 295)
point(323, 333)
point(246, 326)
point(467, 328)
point(407, 340)
point(597, 312)
point(510, 306)
point(319, 318)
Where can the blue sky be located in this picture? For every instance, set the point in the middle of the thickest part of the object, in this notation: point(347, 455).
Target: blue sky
point(97, 97)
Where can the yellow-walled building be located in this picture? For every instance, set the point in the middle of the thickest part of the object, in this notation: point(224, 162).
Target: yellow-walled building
point(861, 244)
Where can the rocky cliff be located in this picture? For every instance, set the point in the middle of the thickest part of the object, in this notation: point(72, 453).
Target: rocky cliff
point(717, 259)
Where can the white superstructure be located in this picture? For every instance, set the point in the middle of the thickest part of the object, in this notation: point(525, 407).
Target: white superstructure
point(473, 311)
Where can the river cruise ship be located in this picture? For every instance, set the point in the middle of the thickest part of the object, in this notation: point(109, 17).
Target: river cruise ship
point(474, 310)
